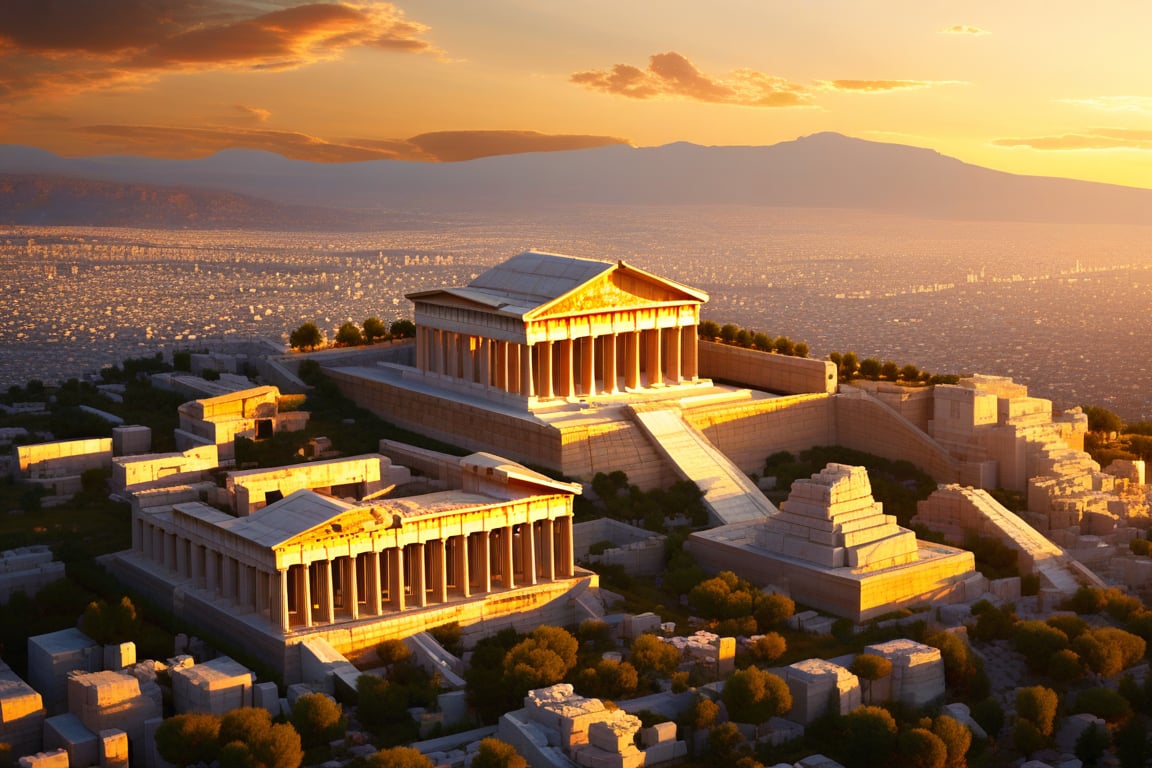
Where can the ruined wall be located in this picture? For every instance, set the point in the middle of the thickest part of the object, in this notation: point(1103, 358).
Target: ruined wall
point(766, 371)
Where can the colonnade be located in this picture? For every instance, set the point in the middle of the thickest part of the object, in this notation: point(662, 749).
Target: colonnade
point(574, 367)
point(376, 582)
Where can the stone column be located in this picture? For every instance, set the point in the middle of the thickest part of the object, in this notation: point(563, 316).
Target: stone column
point(351, 593)
point(528, 553)
point(512, 366)
point(501, 378)
point(181, 549)
point(285, 610)
point(372, 582)
point(460, 557)
point(439, 357)
point(632, 360)
point(547, 551)
point(652, 363)
point(243, 585)
point(228, 588)
point(544, 370)
point(671, 341)
point(395, 557)
point(484, 561)
point(567, 369)
point(507, 555)
point(688, 343)
point(196, 563)
point(327, 598)
point(486, 362)
point(563, 540)
point(438, 571)
point(306, 592)
point(170, 551)
point(526, 387)
point(467, 358)
point(210, 571)
point(588, 366)
point(419, 579)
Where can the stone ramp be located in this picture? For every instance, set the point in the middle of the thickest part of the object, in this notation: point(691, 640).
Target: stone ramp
point(728, 493)
point(954, 509)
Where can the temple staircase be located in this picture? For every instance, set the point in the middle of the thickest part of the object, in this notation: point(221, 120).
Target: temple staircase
point(729, 495)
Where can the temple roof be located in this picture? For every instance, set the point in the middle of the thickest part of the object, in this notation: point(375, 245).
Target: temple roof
point(529, 283)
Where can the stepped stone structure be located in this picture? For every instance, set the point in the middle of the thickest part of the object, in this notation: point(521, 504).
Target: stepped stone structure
point(832, 520)
point(817, 685)
point(832, 547)
point(917, 670)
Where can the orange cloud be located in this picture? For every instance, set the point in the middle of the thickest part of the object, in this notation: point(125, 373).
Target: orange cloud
point(1099, 138)
point(72, 45)
point(1114, 103)
point(258, 114)
point(445, 146)
point(880, 86)
point(671, 75)
point(964, 29)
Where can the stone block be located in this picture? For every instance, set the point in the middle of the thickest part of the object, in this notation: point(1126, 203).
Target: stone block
point(917, 671)
point(21, 713)
point(817, 684)
point(52, 656)
point(104, 700)
point(217, 686)
point(113, 748)
point(658, 733)
point(615, 734)
point(55, 759)
point(67, 732)
point(266, 696)
point(119, 656)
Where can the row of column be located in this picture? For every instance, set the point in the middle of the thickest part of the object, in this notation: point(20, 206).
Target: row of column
point(567, 368)
point(373, 583)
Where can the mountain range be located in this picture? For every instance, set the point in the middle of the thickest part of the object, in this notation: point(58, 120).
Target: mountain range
point(241, 188)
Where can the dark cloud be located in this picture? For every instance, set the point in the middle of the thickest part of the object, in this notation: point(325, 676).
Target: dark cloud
point(444, 146)
point(672, 75)
point(1097, 138)
point(451, 146)
point(64, 46)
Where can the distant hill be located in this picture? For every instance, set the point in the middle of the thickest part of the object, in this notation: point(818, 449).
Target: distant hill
point(36, 199)
point(825, 170)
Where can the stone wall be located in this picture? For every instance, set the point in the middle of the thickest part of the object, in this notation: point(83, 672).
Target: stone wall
point(916, 404)
point(749, 431)
point(766, 370)
point(864, 423)
point(67, 457)
point(640, 552)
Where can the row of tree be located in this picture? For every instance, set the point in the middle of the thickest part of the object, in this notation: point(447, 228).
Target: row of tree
point(730, 333)
point(850, 366)
point(309, 336)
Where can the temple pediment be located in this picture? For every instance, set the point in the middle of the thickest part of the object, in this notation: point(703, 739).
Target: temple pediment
point(622, 287)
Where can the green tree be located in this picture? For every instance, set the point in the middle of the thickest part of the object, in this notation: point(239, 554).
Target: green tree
point(280, 747)
point(890, 371)
point(849, 365)
point(189, 739)
point(1037, 641)
point(1091, 745)
point(307, 336)
point(800, 350)
point(743, 338)
point(870, 368)
point(543, 658)
point(107, 624)
point(772, 610)
point(754, 696)
point(728, 332)
point(652, 656)
point(1105, 703)
point(1027, 737)
point(316, 718)
point(1037, 704)
point(709, 329)
point(784, 345)
point(870, 738)
point(349, 335)
point(956, 737)
point(762, 341)
point(374, 329)
point(494, 753)
point(392, 652)
point(920, 748)
point(1132, 746)
point(402, 329)
point(724, 743)
point(910, 373)
point(870, 668)
point(400, 757)
point(768, 647)
point(609, 679)
point(246, 724)
point(1102, 419)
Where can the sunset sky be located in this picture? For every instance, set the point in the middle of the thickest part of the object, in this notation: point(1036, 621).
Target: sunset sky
point(1028, 86)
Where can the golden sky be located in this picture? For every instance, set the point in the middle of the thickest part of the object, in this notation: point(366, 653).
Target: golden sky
point(1044, 87)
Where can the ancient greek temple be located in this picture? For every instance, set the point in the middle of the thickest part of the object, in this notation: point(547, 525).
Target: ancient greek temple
point(312, 561)
point(542, 326)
